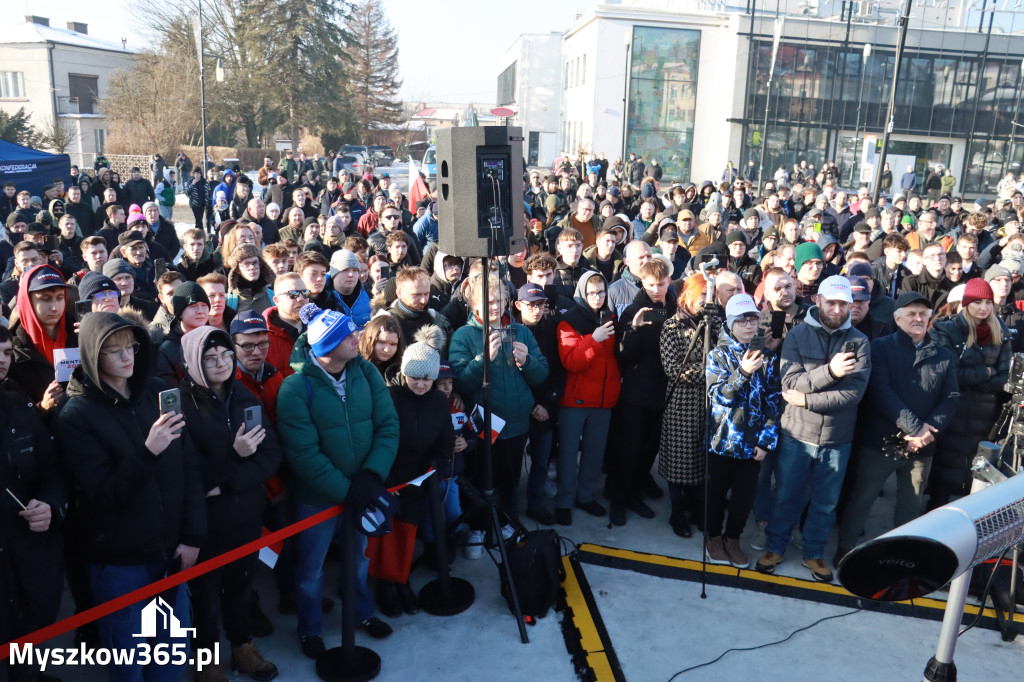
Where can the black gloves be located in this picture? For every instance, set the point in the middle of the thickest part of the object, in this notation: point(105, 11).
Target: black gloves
point(364, 488)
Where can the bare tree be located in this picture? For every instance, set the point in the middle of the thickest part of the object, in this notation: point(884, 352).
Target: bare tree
point(59, 134)
point(153, 107)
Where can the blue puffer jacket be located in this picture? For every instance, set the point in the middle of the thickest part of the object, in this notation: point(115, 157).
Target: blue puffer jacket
point(744, 410)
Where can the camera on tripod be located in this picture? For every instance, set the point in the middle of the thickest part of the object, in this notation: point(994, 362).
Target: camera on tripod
point(1015, 382)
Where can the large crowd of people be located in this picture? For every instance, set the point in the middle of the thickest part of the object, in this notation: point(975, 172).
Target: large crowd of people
point(306, 343)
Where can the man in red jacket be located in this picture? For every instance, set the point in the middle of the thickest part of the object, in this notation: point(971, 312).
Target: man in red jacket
point(283, 322)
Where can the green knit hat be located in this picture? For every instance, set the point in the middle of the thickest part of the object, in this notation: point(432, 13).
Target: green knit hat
point(807, 251)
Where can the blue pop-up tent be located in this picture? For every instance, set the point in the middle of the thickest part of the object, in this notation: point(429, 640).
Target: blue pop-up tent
point(30, 169)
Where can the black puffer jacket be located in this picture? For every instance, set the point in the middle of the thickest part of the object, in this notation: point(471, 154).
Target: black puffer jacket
point(31, 579)
point(134, 507)
point(212, 423)
point(639, 351)
point(979, 397)
point(426, 439)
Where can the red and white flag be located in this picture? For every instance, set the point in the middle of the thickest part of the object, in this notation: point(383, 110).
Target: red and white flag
point(417, 188)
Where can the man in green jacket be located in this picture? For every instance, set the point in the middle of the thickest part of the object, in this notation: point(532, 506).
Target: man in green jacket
point(288, 166)
point(339, 452)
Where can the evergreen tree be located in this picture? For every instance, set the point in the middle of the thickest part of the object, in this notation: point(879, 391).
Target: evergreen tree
point(17, 128)
point(374, 81)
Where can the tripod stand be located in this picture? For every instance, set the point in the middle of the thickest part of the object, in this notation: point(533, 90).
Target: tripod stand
point(489, 494)
point(709, 312)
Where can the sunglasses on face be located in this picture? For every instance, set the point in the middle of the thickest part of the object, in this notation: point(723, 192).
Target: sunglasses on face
point(296, 294)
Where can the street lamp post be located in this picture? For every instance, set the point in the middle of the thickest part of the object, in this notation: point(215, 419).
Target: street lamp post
point(202, 83)
point(860, 104)
point(779, 23)
point(1013, 123)
point(627, 38)
point(901, 41)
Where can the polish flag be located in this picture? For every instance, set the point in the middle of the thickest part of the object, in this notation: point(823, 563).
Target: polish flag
point(269, 555)
point(417, 188)
point(497, 423)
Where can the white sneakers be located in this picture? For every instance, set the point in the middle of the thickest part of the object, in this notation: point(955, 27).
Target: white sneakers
point(475, 548)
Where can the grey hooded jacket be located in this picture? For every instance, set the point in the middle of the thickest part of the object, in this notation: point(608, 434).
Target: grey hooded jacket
point(831, 412)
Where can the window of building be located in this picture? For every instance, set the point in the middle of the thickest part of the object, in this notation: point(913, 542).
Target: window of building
point(12, 85)
point(101, 141)
point(565, 77)
point(583, 71)
point(662, 97)
point(85, 88)
point(507, 85)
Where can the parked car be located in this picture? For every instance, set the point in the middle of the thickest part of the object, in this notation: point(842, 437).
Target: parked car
point(356, 163)
point(354, 149)
point(429, 163)
point(382, 154)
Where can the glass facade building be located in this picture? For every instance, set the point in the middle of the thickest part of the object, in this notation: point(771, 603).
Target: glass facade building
point(826, 98)
point(662, 98)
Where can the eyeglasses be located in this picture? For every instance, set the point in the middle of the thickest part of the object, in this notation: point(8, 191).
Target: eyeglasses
point(393, 216)
point(103, 295)
point(746, 320)
point(596, 293)
point(250, 347)
point(296, 294)
point(226, 357)
point(123, 353)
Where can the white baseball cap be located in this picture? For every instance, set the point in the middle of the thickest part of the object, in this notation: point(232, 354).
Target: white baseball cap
point(738, 306)
point(836, 288)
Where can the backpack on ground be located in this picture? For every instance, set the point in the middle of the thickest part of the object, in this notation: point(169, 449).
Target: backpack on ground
point(536, 567)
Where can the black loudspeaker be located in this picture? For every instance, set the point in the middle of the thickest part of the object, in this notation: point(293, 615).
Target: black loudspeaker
point(480, 191)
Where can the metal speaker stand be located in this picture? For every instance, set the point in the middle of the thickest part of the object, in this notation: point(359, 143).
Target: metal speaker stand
point(348, 663)
point(446, 596)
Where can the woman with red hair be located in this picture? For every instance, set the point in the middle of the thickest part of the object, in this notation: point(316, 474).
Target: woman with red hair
point(681, 456)
point(39, 326)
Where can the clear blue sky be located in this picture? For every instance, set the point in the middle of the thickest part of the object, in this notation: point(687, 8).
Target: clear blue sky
point(448, 49)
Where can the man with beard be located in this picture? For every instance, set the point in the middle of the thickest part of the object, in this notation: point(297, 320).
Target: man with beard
point(825, 367)
point(411, 307)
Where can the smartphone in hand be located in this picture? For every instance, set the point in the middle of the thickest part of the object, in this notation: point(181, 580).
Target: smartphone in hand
point(757, 343)
point(850, 347)
point(170, 401)
point(253, 417)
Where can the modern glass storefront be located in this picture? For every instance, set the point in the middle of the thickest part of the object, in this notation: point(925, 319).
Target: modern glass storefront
point(822, 93)
point(663, 96)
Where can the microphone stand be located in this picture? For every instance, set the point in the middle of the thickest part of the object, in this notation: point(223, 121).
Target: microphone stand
point(710, 311)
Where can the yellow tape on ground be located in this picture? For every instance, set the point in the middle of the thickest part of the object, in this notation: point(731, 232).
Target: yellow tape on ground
point(809, 585)
point(590, 639)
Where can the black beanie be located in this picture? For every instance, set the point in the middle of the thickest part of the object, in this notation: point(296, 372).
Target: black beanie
point(186, 294)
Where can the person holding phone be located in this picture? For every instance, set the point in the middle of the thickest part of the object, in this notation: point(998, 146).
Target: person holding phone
point(33, 504)
point(745, 392)
point(586, 346)
point(138, 491)
point(235, 461)
point(823, 381)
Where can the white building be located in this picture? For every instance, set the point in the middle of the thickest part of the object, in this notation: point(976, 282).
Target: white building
point(528, 85)
point(685, 81)
point(55, 72)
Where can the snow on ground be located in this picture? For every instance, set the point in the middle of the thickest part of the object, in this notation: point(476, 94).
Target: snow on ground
point(657, 626)
point(660, 626)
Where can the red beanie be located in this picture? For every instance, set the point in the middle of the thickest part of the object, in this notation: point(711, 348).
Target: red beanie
point(977, 290)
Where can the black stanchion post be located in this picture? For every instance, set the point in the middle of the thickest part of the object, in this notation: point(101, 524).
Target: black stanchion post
point(348, 663)
point(445, 596)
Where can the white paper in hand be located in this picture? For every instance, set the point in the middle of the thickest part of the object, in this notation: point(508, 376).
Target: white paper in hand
point(64, 362)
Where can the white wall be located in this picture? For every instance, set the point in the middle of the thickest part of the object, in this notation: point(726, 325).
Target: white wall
point(538, 89)
point(598, 104)
point(30, 59)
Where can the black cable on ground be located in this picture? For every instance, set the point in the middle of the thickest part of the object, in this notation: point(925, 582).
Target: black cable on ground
point(765, 645)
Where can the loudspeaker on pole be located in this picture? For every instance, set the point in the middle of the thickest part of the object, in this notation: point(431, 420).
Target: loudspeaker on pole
point(480, 191)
